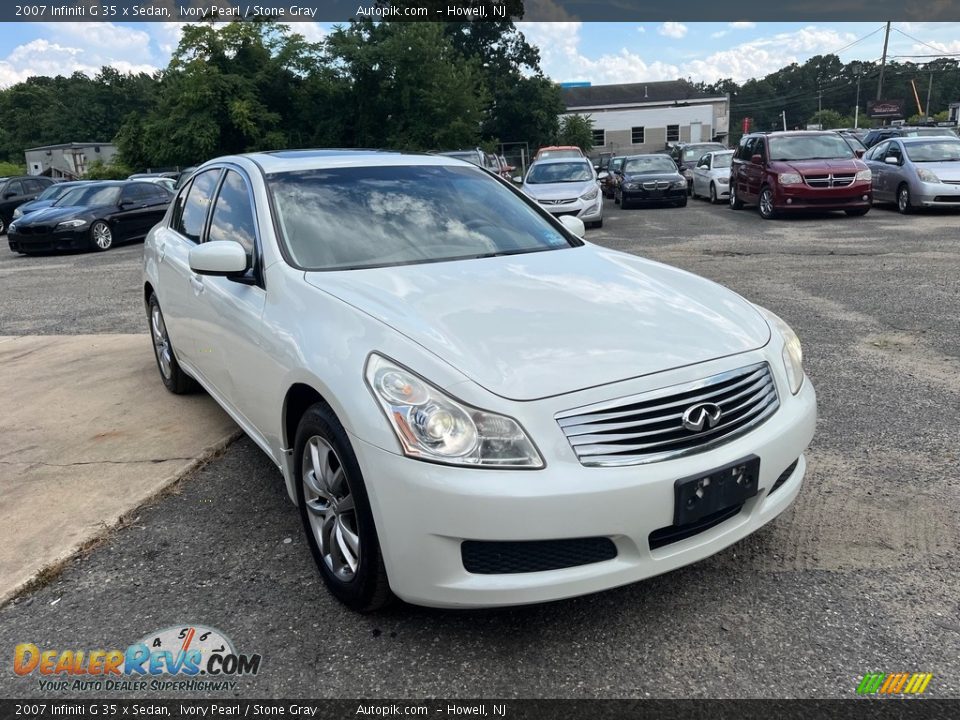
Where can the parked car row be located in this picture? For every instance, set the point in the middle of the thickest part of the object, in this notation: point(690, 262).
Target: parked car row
point(91, 215)
point(16, 191)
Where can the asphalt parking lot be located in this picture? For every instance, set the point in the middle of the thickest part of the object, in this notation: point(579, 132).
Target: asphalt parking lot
point(859, 576)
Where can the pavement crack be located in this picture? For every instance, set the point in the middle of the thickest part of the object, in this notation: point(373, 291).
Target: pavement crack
point(93, 462)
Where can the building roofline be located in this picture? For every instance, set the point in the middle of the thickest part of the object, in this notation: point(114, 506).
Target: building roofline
point(658, 103)
point(70, 144)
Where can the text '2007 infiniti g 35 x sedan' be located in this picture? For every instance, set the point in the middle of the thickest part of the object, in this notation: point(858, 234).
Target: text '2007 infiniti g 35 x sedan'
point(471, 405)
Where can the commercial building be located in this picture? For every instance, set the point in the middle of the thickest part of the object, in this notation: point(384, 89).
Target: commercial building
point(69, 161)
point(649, 117)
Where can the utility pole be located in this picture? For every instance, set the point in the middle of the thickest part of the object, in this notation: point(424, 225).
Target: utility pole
point(856, 110)
point(819, 107)
point(883, 63)
point(783, 114)
point(929, 91)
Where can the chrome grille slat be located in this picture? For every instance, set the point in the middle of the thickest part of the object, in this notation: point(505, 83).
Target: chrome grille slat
point(649, 427)
point(567, 420)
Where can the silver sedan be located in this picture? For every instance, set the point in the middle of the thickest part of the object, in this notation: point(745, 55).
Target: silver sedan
point(711, 176)
point(916, 172)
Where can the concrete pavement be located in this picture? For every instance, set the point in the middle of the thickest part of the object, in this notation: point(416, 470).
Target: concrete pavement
point(87, 433)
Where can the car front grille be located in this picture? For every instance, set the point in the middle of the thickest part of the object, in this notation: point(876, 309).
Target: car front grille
point(508, 558)
point(649, 427)
point(829, 181)
point(557, 202)
point(656, 185)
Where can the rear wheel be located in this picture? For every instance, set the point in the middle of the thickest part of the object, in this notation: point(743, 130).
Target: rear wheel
point(767, 209)
point(335, 512)
point(903, 199)
point(101, 237)
point(735, 202)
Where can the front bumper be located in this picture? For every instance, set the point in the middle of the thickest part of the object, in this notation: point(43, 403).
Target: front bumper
point(856, 196)
point(936, 195)
point(424, 512)
point(49, 241)
point(653, 196)
point(586, 210)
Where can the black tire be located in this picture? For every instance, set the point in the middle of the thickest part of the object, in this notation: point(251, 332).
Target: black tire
point(904, 205)
point(765, 203)
point(368, 589)
point(101, 236)
point(598, 224)
point(624, 203)
point(681, 203)
point(616, 197)
point(172, 375)
point(859, 212)
point(713, 194)
point(3, 226)
point(735, 202)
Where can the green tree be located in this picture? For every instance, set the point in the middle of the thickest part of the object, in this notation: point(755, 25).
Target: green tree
point(111, 171)
point(576, 130)
point(830, 119)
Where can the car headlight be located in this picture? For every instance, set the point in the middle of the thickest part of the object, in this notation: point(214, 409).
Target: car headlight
point(18, 213)
point(790, 179)
point(679, 185)
point(865, 175)
point(723, 180)
point(590, 194)
point(927, 176)
point(12, 228)
point(631, 185)
point(70, 224)
point(792, 352)
point(431, 425)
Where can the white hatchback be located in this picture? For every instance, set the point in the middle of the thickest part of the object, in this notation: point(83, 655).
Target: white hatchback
point(471, 405)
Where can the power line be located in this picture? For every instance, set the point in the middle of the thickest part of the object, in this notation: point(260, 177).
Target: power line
point(932, 47)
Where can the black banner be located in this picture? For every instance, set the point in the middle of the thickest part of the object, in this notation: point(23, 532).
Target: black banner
point(462, 10)
point(491, 709)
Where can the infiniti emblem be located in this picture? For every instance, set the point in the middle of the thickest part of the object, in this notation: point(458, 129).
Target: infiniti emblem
point(700, 416)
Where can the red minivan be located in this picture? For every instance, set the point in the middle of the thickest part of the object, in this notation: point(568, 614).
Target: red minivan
point(802, 170)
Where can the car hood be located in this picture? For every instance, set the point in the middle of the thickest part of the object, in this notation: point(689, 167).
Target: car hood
point(805, 167)
point(547, 323)
point(35, 205)
point(56, 213)
point(559, 191)
point(943, 170)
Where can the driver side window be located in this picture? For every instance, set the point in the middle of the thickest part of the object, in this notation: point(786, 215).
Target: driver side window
point(705, 160)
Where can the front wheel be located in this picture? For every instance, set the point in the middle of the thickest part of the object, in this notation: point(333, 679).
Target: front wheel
point(335, 512)
point(173, 376)
point(3, 226)
point(101, 237)
point(903, 199)
point(681, 203)
point(735, 202)
point(713, 194)
point(767, 209)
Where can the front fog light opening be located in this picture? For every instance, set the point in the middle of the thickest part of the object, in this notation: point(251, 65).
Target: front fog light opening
point(435, 427)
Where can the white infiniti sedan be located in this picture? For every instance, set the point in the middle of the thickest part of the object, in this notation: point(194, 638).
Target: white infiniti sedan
point(470, 405)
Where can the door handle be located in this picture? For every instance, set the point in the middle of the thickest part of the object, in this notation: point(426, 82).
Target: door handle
point(196, 282)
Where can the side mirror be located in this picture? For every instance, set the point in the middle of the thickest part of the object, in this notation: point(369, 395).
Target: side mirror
point(218, 257)
point(704, 167)
point(603, 175)
point(756, 159)
point(574, 225)
point(860, 152)
point(891, 160)
point(517, 179)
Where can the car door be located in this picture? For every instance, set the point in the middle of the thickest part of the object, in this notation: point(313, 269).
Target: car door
point(11, 197)
point(157, 200)
point(231, 349)
point(739, 170)
point(893, 174)
point(701, 175)
point(179, 287)
point(127, 220)
point(878, 169)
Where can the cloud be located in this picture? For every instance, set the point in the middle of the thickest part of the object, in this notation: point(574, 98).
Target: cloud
point(672, 30)
point(719, 33)
point(42, 57)
point(742, 25)
point(641, 29)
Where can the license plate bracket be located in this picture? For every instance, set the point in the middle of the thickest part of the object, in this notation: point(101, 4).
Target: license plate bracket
point(698, 496)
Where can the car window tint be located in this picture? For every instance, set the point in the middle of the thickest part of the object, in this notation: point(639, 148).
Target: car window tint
point(133, 193)
point(34, 186)
point(877, 151)
point(194, 213)
point(232, 214)
point(15, 187)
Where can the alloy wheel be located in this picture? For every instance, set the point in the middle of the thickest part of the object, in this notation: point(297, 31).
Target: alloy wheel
point(331, 508)
point(713, 193)
point(766, 203)
point(903, 199)
point(102, 237)
point(161, 342)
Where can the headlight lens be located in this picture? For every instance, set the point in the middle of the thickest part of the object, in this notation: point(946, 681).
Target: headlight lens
point(18, 213)
point(431, 425)
point(590, 194)
point(927, 176)
point(70, 224)
point(865, 175)
point(12, 228)
point(679, 185)
point(792, 352)
point(790, 179)
point(723, 180)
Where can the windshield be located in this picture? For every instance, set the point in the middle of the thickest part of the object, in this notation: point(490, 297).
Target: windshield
point(695, 152)
point(567, 172)
point(809, 147)
point(558, 154)
point(649, 164)
point(470, 157)
point(349, 218)
point(89, 196)
point(722, 161)
point(945, 150)
point(55, 191)
point(616, 163)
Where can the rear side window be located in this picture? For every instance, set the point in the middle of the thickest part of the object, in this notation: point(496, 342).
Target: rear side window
point(15, 187)
point(232, 214)
point(195, 205)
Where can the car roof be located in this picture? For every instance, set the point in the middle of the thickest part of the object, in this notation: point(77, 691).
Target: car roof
point(559, 147)
point(562, 161)
point(659, 155)
point(927, 138)
point(294, 160)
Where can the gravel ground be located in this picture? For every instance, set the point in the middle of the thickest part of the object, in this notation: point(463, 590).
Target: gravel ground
point(861, 575)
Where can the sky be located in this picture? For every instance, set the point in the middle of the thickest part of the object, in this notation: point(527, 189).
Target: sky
point(600, 53)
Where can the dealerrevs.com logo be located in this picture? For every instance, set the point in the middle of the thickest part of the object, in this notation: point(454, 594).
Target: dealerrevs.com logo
point(179, 658)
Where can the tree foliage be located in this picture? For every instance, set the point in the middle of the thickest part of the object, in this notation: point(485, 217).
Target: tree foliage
point(576, 130)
